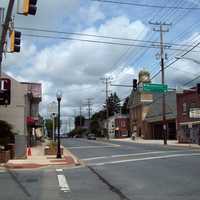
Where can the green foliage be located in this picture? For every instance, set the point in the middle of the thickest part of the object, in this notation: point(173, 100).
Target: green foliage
point(80, 132)
point(125, 109)
point(79, 121)
point(6, 134)
point(113, 104)
point(52, 145)
point(49, 126)
point(95, 127)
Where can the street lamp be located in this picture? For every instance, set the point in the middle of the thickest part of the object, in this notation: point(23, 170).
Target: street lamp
point(59, 96)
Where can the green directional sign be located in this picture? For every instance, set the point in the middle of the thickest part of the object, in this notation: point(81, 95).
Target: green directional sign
point(151, 87)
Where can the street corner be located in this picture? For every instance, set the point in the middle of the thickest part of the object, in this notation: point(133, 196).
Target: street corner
point(24, 166)
point(70, 157)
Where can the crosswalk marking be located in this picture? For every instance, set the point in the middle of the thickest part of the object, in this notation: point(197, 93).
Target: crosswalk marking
point(147, 158)
point(63, 183)
point(59, 170)
point(91, 147)
point(131, 154)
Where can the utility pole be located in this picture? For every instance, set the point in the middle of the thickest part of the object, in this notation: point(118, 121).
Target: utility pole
point(162, 29)
point(107, 81)
point(80, 114)
point(89, 104)
point(5, 27)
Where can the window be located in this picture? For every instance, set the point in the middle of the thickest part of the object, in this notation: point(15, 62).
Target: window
point(184, 107)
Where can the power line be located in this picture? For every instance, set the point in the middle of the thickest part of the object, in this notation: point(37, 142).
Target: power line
point(176, 60)
point(100, 42)
point(147, 5)
point(98, 36)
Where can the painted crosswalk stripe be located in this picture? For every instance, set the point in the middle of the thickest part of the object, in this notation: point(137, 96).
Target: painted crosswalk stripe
point(148, 158)
point(59, 170)
point(64, 186)
point(91, 147)
point(131, 154)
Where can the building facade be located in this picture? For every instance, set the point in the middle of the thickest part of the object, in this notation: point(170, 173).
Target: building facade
point(145, 112)
point(24, 107)
point(188, 116)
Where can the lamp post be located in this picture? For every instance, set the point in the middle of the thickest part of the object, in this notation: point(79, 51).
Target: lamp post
point(59, 96)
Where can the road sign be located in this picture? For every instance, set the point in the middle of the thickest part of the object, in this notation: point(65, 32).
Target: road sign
point(5, 88)
point(151, 87)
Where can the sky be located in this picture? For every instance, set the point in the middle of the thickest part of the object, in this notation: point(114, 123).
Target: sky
point(76, 67)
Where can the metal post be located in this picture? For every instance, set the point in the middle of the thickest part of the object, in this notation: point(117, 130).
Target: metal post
point(4, 31)
point(53, 120)
point(58, 147)
point(30, 108)
point(107, 112)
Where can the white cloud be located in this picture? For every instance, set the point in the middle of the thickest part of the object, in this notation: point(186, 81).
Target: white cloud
point(76, 67)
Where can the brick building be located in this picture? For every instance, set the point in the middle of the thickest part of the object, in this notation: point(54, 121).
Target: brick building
point(188, 116)
point(145, 112)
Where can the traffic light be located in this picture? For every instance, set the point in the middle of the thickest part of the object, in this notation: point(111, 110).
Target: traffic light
point(5, 91)
point(198, 88)
point(29, 7)
point(15, 40)
point(134, 84)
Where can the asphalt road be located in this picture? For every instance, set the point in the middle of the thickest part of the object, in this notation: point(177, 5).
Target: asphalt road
point(111, 171)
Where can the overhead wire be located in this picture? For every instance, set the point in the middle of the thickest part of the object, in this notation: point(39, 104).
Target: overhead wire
point(147, 5)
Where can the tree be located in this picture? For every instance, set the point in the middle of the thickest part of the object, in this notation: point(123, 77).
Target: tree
point(125, 109)
point(49, 126)
point(113, 104)
point(6, 134)
point(79, 121)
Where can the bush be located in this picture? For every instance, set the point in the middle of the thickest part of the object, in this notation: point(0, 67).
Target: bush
point(6, 134)
point(52, 145)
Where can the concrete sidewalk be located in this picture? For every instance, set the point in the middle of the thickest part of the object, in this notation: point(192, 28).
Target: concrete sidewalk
point(38, 159)
point(157, 142)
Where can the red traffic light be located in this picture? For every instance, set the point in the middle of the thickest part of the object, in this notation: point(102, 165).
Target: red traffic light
point(5, 91)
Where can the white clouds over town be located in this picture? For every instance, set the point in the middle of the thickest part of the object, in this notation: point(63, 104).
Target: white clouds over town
point(76, 67)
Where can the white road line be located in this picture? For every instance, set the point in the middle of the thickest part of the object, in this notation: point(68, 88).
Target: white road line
point(127, 155)
point(90, 147)
point(148, 158)
point(101, 142)
point(59, 170)
point(63, 183)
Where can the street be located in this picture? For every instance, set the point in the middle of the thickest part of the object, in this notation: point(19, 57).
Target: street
point(111, 170)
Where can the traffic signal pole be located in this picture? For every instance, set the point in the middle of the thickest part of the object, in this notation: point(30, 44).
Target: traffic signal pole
point(5, 30)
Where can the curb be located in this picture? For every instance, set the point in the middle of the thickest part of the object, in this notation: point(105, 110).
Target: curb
point(76, 160)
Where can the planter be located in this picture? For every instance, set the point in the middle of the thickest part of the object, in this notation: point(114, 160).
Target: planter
point(52, 151)
point(4, 156)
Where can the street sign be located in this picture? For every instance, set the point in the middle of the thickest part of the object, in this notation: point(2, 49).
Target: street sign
point(5, 90)
point(151, 87)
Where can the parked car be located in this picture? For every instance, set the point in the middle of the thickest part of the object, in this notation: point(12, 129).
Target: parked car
point(91, 136)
